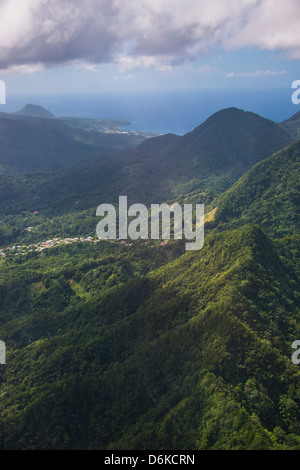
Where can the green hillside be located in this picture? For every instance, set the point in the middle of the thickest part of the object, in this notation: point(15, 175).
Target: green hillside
point(268, 195)
point(293, 125)
point(142, 345)
point(108, 350)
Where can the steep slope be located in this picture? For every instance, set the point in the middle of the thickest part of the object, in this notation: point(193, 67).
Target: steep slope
point(293, 125)
point(193, 355)
point(268, 194)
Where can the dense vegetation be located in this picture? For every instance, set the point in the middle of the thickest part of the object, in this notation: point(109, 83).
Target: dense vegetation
point(293, 125)
point(106, 349)
point(268, 194)
point(111, 346)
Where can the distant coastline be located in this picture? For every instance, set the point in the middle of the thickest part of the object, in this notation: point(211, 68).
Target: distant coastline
point(173, 112)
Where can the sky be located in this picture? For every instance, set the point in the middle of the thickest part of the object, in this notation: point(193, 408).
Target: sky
point(148, 46)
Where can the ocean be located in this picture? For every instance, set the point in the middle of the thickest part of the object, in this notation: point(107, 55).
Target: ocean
point(175, 112)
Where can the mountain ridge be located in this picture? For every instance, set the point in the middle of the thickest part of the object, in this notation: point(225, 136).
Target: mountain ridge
point(268, 193)
point(191, 345)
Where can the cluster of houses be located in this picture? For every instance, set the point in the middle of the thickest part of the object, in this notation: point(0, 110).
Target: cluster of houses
point(23, 249)
point(41, 246)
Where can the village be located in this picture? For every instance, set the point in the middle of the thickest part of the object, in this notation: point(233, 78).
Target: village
point(18, 250)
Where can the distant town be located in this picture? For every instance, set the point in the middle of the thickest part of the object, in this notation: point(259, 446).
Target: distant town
point(18, 250)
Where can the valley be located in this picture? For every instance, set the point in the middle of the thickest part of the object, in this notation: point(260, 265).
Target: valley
point(137, 345)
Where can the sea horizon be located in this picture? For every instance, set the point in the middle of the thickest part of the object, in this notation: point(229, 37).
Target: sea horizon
point(175, 112)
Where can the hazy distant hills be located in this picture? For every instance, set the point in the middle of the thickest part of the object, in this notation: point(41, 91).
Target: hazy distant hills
point(198, 166)
point(40, 144)
point(208, 160)
point(201, 164)
point(33, 139)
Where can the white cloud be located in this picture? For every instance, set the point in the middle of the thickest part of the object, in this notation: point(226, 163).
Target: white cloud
point(207, 70)
point(271, 25)
point(141, 33)
point(257, 74)
point(25, 69)
point(80, 65)
point(130, 77)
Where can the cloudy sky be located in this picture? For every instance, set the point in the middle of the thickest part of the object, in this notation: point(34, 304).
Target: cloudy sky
point(69, 46)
